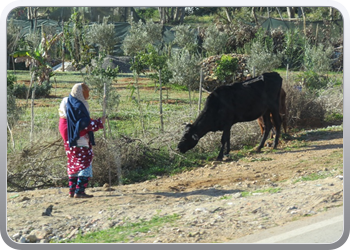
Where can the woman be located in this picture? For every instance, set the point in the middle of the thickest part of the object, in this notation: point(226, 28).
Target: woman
point(76, 128)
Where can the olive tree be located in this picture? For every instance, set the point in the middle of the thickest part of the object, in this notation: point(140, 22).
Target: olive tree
point(140, 35)
point(103, 35)
point(214, 41)
point(185, 69)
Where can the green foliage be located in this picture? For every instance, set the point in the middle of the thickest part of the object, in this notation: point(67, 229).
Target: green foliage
point(103, 35)
point(185, 37)
point(41, 91)
point(148, 13)
point(157, 61)
point(185, 68)
point(140, 35)
point(74, 40)
point(11, 79)
point(97, 78)
point(122, 233)
point(318, 58)
point(268, 190)
point(261, 54)
point(262, 58)
point(312, 80)
point(214, 41)
point(294, 48)
point(226, 67)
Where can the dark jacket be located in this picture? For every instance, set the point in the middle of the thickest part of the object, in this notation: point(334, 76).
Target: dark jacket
point(78, 118)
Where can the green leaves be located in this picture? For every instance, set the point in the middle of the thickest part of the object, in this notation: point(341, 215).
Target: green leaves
point(226, 67)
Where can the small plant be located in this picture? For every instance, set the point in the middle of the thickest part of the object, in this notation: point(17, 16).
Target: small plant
point(268, 190)
point(226, 67)
point(313, 177)
point(121, 233)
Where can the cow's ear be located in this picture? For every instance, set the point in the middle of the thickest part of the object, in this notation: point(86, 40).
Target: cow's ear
point(195, 137)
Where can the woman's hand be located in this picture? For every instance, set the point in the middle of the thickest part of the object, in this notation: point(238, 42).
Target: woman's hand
point(103, 119)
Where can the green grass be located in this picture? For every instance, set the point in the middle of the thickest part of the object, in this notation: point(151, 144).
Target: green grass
point(121, 233)
point(268, 190)
point(314, 177)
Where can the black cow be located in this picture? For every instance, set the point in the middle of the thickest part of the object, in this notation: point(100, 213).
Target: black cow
point(237, 102)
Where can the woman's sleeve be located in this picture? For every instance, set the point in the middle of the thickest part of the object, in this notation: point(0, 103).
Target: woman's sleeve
point(94, 125)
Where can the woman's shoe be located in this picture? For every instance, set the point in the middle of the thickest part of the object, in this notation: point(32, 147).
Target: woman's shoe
point(83, 195)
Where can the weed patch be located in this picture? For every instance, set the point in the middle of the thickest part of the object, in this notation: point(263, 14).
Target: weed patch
point(121, 233)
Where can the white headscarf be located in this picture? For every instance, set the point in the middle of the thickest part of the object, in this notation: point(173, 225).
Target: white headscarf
point(77, 92)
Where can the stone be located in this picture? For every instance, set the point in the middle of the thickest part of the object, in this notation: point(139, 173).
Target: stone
point(32, 238)
point(23, 239)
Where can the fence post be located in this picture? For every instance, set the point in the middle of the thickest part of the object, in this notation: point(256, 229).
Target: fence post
point(287, 73)
point(160, 102)
point(200, 91)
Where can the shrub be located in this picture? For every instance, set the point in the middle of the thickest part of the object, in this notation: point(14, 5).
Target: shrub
point(185, 69)
point(41, 91)
point(318, 58)
point(214, 41)
point(226, 67)
point(262, 58)
point(140, 35)
point(312, 80)
point(305, 109)
point(103, 35)
point(185, 37)
point(294, 48)
point(11, 79)
point(239, 34)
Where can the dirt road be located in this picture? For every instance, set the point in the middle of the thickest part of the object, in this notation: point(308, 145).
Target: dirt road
point(216, 203)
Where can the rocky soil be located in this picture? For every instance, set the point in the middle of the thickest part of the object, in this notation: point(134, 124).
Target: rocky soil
point(215, 203)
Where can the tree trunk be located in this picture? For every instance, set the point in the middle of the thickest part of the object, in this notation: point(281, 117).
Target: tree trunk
point(291, 12)
point(32, 116)
point(104, 108)
point(200, 91)
point(162, 15)
point(177, 14)
point(254, 15)
point(331, 13)
point(304, 19)
point(228, 15)
point(161, 102)
point(182, 15)
point(13, 141)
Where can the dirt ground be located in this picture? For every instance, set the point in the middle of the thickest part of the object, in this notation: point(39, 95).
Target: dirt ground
point(215, 203)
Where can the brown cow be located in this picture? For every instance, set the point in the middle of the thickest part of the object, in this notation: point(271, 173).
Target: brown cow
point(283, 114)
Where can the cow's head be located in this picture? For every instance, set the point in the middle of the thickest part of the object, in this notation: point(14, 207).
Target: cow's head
point(188, 140)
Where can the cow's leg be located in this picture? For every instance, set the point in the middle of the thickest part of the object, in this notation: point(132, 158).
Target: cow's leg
point(267, 128)
point(277, 122)
point(225, 140)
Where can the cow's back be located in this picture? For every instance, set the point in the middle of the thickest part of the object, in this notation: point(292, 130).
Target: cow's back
point(242, 101)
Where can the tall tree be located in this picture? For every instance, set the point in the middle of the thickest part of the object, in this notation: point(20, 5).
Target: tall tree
point(171, 14)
